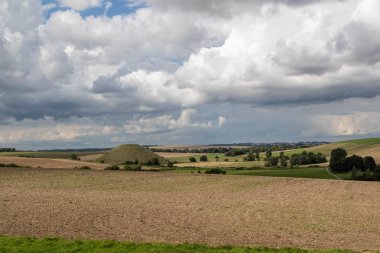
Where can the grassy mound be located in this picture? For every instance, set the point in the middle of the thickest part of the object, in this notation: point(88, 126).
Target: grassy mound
point(130, 152)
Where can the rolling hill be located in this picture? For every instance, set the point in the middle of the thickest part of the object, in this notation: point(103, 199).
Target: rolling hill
point(362, 147)
point(129, 152)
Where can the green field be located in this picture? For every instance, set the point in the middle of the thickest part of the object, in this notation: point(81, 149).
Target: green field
point(54, 245)
point(301, 172)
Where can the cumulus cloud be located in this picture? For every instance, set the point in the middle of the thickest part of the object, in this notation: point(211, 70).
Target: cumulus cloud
point(149, 65)
point(80, 5)
point(165, 122)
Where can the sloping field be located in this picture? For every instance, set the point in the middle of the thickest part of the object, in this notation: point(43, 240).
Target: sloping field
point(174, 208)
point(129, 152)
point(363, 147)
point(49, 163)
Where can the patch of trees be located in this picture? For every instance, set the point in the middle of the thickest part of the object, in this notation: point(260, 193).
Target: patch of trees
point(360, 168)
point(192, 159)
point(153, 162)
point(7, 150)
point(215, 171)
point(306, 158)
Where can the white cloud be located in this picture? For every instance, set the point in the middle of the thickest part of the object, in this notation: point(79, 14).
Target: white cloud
point(221, 121)
point(172, 55)
point(80, 5)
point(165, 122)
point(358, 123)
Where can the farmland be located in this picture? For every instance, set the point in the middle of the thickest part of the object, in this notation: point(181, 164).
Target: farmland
point(177, 208)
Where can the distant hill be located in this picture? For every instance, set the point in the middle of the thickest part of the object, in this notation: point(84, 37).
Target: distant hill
point(363, 147)
point(129, 152)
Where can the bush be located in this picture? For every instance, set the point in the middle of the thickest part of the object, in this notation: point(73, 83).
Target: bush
point(203, 158)
point(271, 161)
point(133, 167)
point(192, 159)
point(170, 164)
point(226, 160)
point(376, 174)
point(113, 167)
point(215, 171)
point(75, 157)
point(85, 168)
point(9, 165)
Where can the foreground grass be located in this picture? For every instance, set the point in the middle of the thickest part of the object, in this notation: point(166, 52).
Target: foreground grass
point(54, 245)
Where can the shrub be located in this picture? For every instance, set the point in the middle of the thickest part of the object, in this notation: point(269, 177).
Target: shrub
point(203, 158)
point(9, 165)
point(192, 159)
point(215, 171)
point(155, 161)
point(376, 173)
point(133, 167)
point(271, 161)
point(226, 160)
point(113, 167)
point(129, 162)
point(74, 157)
point(170, 164)
point(85, 168)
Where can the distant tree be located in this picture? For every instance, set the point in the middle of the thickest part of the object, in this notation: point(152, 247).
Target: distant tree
point(203, 158)
point(369, 163)
point(192, 159)
point(268, 153)
point(74, 157)
point(257, 154)
point(217, 158)
point(271, 162)
point(337, 160)
point(250, 157)
point(283, 162)
point(136, 161)
point(170, 164)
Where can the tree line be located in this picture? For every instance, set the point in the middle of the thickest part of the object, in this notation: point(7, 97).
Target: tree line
point(7, 150)
point(361, 168)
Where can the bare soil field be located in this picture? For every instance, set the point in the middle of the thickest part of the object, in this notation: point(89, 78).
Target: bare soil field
point(211, 209)
point(49, 163)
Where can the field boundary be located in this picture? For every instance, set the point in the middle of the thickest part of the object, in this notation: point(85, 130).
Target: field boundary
point(332, 174)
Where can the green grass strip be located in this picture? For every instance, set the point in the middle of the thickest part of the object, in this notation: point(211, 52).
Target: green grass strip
point(55, 245)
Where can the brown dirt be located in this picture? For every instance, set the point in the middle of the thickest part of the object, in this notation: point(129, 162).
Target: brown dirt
point(49, 163)
point(212, 209)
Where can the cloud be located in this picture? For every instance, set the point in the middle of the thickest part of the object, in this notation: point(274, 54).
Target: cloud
point(221, 121)
point(359, 123)
point(80, 5)
point(143, 68)
point(165, 122)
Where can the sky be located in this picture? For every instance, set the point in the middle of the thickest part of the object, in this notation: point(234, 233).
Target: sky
point(98, 73)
